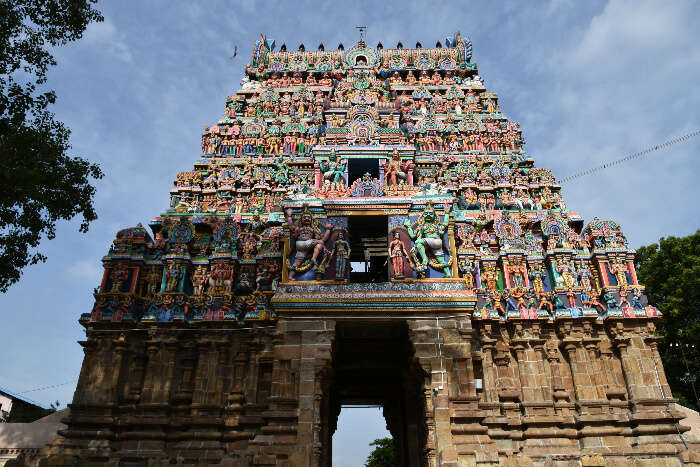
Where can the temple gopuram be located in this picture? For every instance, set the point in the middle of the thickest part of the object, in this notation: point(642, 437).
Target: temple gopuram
point(363, 226)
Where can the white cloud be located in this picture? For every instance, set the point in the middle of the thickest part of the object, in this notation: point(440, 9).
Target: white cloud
point(639, 31)
point(86, 269)
point(109, 39)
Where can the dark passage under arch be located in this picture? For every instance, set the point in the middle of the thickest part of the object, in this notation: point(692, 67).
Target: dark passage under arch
point(373, 364)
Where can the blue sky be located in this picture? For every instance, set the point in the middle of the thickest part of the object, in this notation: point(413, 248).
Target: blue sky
point(589, 81)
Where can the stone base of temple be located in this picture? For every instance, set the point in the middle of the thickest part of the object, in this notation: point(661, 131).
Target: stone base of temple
point(455, 391)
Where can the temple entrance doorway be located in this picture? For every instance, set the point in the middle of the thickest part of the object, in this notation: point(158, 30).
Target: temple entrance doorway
point(368, 244)
point(373, 366)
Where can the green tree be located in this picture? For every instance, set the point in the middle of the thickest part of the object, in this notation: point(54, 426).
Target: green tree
point(40, 182)
point(383, 455)
point(670, 270)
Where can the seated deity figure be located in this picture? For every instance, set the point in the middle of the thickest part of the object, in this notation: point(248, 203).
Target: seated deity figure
point(411, 78)
point(395, 78)
point(284, 80)
point(306, 239)
point(325, 80)
point(333, 170)
point(395, 170)
point(423, 78)
point(429, 234)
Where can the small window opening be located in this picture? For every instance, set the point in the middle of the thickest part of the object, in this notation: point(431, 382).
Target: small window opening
point(368, 244)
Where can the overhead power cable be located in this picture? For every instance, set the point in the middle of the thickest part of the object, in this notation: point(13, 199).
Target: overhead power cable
point(636, 155)
point(49, 387)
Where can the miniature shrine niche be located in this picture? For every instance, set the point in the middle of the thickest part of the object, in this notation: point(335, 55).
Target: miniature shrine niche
point(375, 206)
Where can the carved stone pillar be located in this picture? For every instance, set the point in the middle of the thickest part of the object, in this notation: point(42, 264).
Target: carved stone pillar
point(543, 372)
point(594, 368)
point(561, 379)
point(434, 352)
point(234, 403)
point(134, 377)
point(168, 353)
point(576, 348)
point(152, 370)
point(185, 381)
point(237, 395)
point(85, 391)
point(119, 346)
point(490, 383)
point(431, 430)
point(508, 382)
point(613, 375)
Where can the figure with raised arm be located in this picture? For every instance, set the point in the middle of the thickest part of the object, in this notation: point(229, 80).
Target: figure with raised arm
point(428, 234)
point(395, 170)
point(308, 241)
point(333, 170)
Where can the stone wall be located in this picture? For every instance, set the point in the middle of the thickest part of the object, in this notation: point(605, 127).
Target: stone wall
point(530, 392)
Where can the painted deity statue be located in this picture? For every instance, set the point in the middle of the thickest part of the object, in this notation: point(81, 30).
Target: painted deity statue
point(467, 268)
point(537, 276)
point(619, 269)
point(153, 280)
point(397, 253)
point(333, 170)
point(636, 301)
point(221, 278)
point(584, 274)
point(173, 274)
point(490, 277)
point(341, 251)
point(492, 305)
point(566, 270)
point(429, 233)
point(281, 172)
point(199, 279)
point(395, 170)
point(118, 275)
point(306, 240)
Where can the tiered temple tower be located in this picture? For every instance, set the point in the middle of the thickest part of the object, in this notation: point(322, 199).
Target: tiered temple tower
point(363, 226)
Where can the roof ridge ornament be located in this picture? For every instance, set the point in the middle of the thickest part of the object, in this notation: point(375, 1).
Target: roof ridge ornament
point(362, 30)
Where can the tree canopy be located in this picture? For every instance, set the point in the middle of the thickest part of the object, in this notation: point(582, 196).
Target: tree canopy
point(670, 270)
point(41, 183)
point(383, 454)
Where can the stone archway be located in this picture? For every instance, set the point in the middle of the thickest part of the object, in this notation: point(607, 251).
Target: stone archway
point(374, 363)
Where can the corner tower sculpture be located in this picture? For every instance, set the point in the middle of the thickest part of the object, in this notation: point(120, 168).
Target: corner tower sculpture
point(363, 226)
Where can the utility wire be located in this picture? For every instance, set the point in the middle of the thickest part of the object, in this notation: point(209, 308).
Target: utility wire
point(50, 387)
point(630, 157)
point(690, 375)
point(668, 409)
